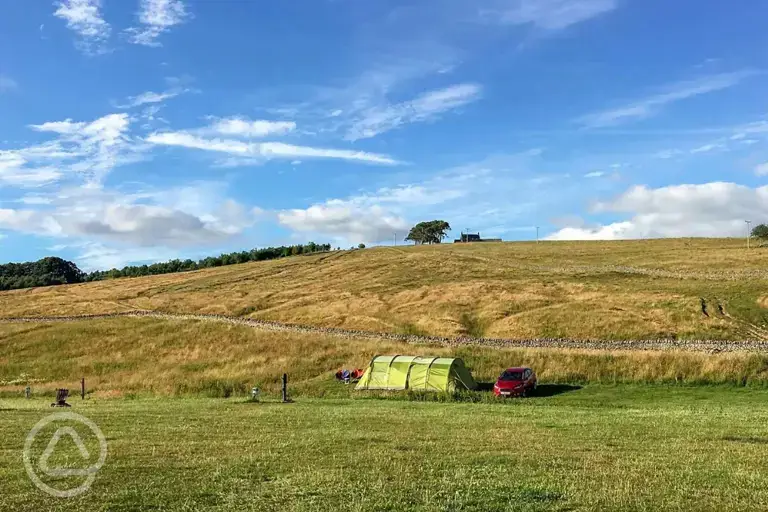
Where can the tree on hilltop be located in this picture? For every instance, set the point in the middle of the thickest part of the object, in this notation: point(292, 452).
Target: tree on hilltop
point(430, 232)
point(761, 232)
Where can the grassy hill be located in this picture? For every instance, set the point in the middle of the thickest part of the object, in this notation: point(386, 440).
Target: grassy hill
point(125, 356)
point(611, 290)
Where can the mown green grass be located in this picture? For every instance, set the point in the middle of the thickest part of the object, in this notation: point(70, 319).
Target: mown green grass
point(596, 448)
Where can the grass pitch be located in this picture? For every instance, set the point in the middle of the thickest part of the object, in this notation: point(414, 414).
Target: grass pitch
point(596, 448)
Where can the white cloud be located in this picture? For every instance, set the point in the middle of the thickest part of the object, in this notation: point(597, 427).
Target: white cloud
point(707, 210)
point(87, 150)
point(145, 225)
point(66, 127)
point(379, 119)
point(676, 92)
point(13, 171)
point(150, 97)
point(7, 83)
point(594, 174)
point(552, 14)
point(373, 217)
point(345, 221)
point(706, 148)
point(264, 150)
point(242, 127)
point(184, 217)
point(157, 17)
point(280, 150)
point(762, 169)
point(84, 18)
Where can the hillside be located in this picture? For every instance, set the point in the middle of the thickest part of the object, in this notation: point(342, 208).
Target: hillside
point(610, 290)
point(121, 356)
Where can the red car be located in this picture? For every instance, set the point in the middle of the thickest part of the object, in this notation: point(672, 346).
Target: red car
point(515, 382)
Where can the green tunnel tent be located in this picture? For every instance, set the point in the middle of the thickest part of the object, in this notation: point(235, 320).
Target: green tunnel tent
point(417, 373)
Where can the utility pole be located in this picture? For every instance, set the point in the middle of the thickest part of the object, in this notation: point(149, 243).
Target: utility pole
point(749, 232)
point(537, 234)
point(394, 238)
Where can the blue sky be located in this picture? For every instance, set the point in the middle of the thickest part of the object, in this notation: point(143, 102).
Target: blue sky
point(143, 130)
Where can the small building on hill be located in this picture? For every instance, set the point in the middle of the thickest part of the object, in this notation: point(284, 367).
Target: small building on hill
point(474, 237)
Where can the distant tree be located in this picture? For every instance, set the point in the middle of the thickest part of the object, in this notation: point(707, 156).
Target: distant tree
point(431, 232)
point(361, 246)
point(760, 231)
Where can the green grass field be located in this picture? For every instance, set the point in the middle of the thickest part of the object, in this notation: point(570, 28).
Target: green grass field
point(596, 448)
point(649, 430)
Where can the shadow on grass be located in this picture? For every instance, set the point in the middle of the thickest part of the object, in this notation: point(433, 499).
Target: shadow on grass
point(542, 390)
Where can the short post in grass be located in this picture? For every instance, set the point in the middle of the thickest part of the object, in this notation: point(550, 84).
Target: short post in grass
point(82, 388)
point(28, 392)
point(285, 387)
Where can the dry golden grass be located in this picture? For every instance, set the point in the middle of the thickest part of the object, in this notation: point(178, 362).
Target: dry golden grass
point(130, 355)
point(612, 290)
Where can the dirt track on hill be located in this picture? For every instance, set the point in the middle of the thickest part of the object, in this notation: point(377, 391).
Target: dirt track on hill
point(710, 346)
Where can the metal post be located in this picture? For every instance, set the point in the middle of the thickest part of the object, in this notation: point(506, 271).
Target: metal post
point(285, 387)
point(537, 234)
point(82, 388)
point(749, 232)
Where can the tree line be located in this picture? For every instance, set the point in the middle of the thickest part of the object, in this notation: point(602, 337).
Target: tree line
point(45, 272)
point(53, 270)
point(232, 258)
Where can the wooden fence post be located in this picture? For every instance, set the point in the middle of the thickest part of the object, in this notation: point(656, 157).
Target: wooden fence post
point(82, 388)
point(285, 387)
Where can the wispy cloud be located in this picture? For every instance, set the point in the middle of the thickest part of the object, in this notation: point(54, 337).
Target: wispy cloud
point(651, 105)
point(84, 18)
point(379, 119)
point(550, 14)
point(706, 148)
point(151, 97)
point(263, 150)
point(88, 150)
point(156, 18)
point(762, 169)
point(7, 84)
point(594, 174)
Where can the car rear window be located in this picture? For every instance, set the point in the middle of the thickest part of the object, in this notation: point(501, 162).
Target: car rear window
point(508, 375)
